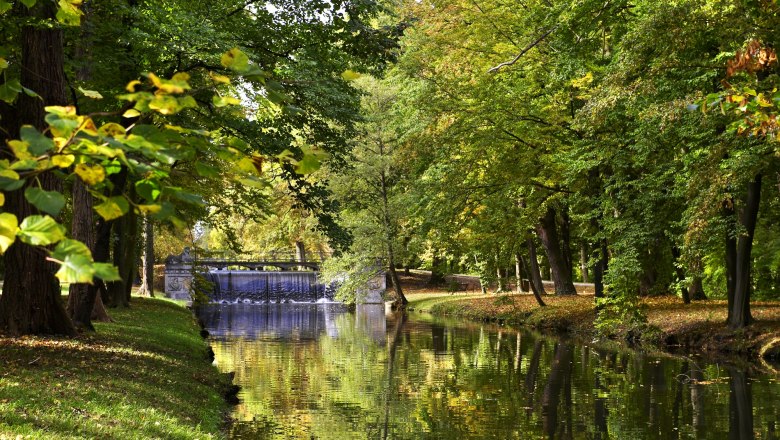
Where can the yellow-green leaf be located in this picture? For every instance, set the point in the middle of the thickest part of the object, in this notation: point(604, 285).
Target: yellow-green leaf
point(223, 101)
point(40, 230)
point(350, 75)
point(91, 93)
point(9, 226)
point(235, 59)
point(220, 79)
point(20, 149)
point(131, 113)
point(91, 174)
point(68, 13)
point(113, 207)
point(112, 129)
point(164, 104)
point(63, 160)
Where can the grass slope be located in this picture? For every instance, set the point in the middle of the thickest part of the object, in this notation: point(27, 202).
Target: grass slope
point(145, 375)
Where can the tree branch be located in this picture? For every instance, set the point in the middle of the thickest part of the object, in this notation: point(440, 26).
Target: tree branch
point(523, 52)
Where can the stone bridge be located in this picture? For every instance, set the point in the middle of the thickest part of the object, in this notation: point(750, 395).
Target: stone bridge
point(240, 277)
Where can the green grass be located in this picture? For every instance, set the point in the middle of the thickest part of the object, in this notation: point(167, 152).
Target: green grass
point(146, 375)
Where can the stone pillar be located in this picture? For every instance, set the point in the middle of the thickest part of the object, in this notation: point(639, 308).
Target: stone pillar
point(178, 276)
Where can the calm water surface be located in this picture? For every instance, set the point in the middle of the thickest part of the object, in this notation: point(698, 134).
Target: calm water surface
point(317, 371)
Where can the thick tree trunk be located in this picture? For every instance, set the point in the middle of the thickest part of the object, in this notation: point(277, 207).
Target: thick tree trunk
point(31, 302)
point(738, 257)
point(697, 289)
point(532, 268)
point(147, 259)
point(556, 254)
point(81, 297)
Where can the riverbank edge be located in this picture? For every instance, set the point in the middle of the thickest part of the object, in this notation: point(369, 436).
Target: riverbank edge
point(759, 342)
point(120, 380)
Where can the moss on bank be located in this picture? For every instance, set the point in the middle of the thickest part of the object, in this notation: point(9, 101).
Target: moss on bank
point(672, 325)
point(146, 375)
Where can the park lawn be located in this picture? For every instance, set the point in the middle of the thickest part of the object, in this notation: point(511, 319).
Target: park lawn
point(146, 375)
point(698, 327)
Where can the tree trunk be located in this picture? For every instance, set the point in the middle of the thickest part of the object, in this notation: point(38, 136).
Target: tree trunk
point(680, 275)
point(519, 273)
point(400, 298)
point(556, 254)
point(437, 277)
point(584, 261)
point(81, 297)
point(738, 257)
point(600, 269)
point(532, 268)
point(126, 231)
point(499, 276)
point(31, 302)
point(147, 258)
point(300, 254)
point(697, 289)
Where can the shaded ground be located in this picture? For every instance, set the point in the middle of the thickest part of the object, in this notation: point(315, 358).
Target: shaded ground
point(146, 375)
point(673, 325)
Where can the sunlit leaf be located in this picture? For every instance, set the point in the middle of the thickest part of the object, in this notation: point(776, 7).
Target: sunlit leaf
point(307, 165)
point(350, 75)
point(223, 101)
point(70, 247)
point(68, 13)
point(41, 230)
point(76, 269)
point(90, 93)
point(91, 174)
point(131, 113)
point(235, 59)
point(9, 226)
point(113, 207)
point(20, 149)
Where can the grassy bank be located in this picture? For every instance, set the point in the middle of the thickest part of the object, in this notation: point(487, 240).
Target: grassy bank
point(672, 325)
point(146, 375)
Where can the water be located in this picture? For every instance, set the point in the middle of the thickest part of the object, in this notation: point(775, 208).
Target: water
point(318, 371)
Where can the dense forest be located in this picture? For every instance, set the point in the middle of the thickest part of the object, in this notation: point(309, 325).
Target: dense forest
point(628, 144)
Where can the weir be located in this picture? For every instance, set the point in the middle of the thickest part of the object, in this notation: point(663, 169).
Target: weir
point(250, 285)
point(267, 287)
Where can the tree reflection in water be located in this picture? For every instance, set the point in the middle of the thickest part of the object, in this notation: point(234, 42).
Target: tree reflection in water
point(310, 371)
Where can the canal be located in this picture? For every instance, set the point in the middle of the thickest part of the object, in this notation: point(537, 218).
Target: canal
point(319, 371)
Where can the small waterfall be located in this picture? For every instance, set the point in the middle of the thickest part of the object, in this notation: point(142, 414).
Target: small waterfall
point(267, 287)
